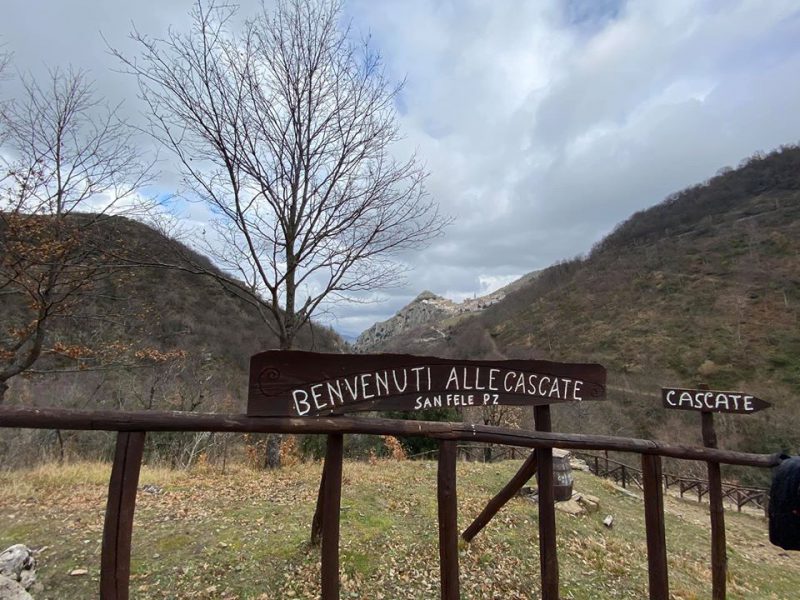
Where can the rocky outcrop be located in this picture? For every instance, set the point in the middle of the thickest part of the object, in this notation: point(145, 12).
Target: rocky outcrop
point(429, 309)
point(424, 309)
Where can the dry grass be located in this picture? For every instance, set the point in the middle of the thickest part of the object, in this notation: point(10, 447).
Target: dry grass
point(244, 535)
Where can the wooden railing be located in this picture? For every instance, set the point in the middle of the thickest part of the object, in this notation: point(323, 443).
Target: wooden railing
point(478, 453)
point(627, 475)
point(131, 428)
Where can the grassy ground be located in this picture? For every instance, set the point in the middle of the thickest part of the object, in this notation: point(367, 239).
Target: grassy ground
point(244, 535)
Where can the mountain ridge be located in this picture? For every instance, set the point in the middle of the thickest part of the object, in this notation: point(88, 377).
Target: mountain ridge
point(703, 287)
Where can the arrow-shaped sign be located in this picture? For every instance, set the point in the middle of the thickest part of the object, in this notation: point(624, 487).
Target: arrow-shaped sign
point(712, 401)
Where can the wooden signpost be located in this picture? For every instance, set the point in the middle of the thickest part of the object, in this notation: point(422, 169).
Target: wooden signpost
point(308, 384)
point(711, 401)
point(707, 402)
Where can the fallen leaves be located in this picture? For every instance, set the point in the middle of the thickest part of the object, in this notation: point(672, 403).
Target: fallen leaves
point(244, 535)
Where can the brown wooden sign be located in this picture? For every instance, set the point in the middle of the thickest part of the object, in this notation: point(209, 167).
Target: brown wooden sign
point(712, 401)
point(309, 384)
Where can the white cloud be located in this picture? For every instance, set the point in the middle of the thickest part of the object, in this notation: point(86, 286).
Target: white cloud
point(543, 123)
point(492, 283)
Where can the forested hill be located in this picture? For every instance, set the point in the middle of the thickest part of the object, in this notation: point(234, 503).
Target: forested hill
point(201, 335)
point(703, 287)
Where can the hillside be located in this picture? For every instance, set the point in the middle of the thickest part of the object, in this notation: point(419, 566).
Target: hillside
point(151, 310)
point(703, 287)
point(243, 534)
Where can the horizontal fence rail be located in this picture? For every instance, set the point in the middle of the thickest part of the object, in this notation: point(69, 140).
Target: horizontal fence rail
point(62, 418)
point(132, 427)
point(627, 475)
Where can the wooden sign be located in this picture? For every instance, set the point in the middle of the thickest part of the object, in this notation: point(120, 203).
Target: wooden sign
point(309, 384)
point(712, 401)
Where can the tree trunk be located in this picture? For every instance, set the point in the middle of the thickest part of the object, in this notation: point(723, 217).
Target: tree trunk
point(60, 440)
point(272, 460)
point(273, 451)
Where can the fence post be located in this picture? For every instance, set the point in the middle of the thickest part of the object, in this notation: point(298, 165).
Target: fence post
point(548, 557)
point(448, 520)
point(331, 505)
point(115, 561)
point(316, 521)
point(719, 558)
point(654, 523)
point(525, 472)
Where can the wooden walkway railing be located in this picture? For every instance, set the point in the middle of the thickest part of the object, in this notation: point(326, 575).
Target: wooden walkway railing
point(132, 428)
point(627, 475)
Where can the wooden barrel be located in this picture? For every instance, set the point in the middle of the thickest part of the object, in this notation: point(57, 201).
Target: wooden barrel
point(562, 475)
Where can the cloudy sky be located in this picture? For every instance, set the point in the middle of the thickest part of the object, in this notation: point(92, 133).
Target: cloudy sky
point(543, 123)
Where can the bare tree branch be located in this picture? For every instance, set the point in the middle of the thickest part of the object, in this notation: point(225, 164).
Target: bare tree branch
point(285, 128)
point(64, 153)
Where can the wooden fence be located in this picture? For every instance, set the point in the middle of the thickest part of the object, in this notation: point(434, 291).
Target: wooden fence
point(629, 476)
point(479, 453)
point(132, 427)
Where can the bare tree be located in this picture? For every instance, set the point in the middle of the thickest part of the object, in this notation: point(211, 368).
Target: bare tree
point(64, 154)
point(285, 129)
point(5, 60)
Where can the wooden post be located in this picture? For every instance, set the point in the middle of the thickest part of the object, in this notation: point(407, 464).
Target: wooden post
point(115, 562)
point(525, 472)
point(448, 520)
point(719, 558)
point(331, 505)
point(316, 521)
point(654, 523)
point(548, 557)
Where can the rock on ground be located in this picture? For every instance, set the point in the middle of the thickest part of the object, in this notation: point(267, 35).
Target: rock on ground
point(579, 504)
point(12, 590)
point(18, 564)
point(571, 507)
point(589, 502)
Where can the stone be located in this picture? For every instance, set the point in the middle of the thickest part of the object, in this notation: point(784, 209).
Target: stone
point(12, 590)
point(608, 521)
point(18, 564)
point(578, 464)
point(590, 503)
point(571, 507)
